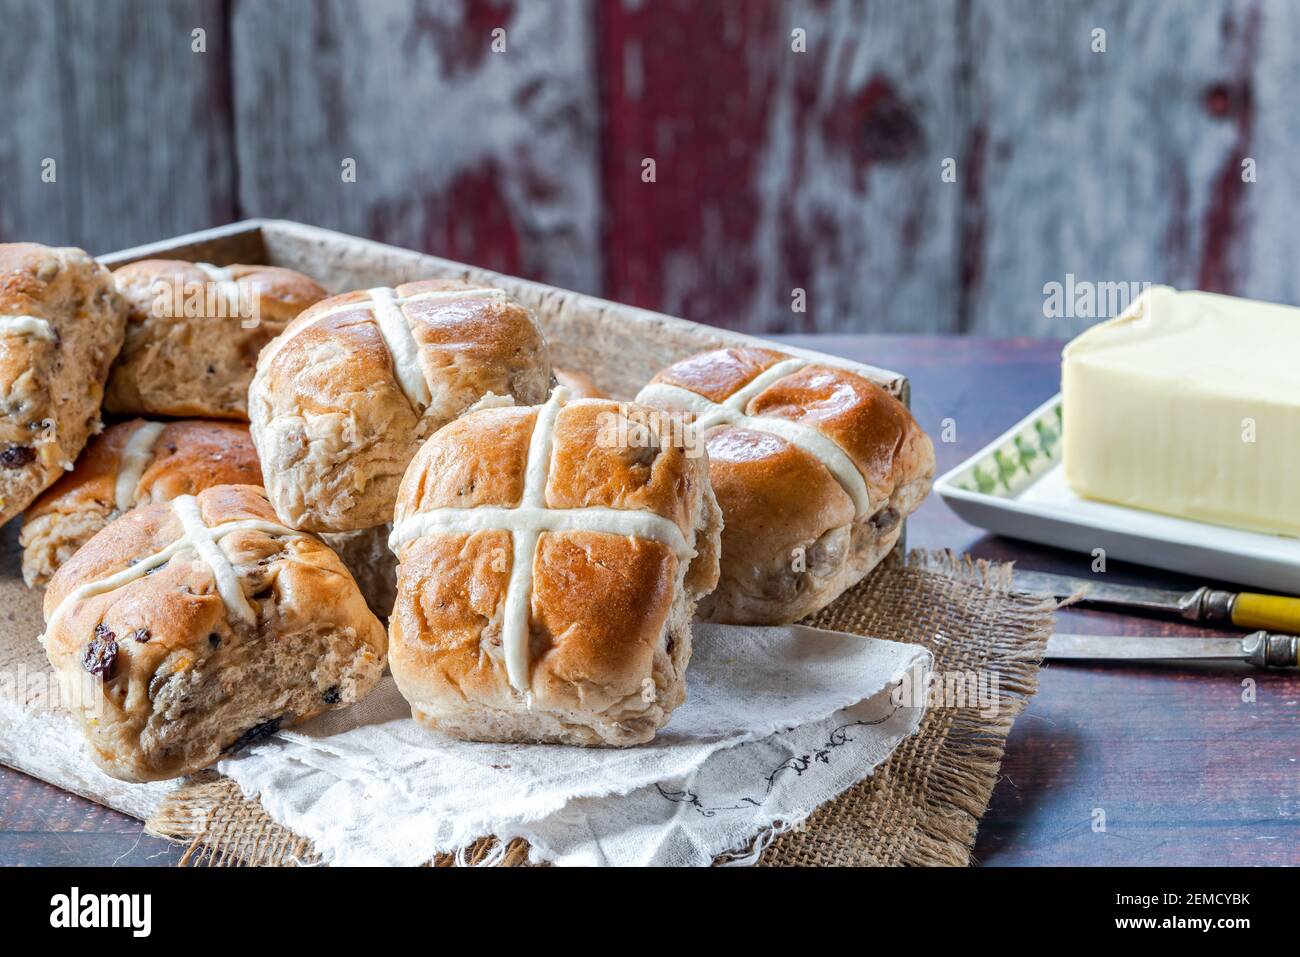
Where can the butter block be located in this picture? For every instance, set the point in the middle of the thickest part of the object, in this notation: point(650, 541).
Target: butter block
point(1189, 404)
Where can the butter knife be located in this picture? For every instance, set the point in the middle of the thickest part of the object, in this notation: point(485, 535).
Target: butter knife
point(1260, 649)
point(1243, 609)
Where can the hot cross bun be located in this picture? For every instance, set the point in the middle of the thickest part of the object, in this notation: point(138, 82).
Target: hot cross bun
point(194, 334)
point(129, 464)
point(550, 561)
point(342, 400)
point(61, 322)
point(815, 468)
point(187, 629)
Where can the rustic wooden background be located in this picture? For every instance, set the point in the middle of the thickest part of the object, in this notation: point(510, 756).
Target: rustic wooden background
point(775, 170)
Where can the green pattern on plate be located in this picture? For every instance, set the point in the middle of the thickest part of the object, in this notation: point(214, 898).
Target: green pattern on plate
point(1029, 453)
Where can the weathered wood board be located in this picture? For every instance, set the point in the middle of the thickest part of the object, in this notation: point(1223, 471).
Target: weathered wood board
point(847, 165)
point(136, 122)
point(1127, 165)
point(1111, 161)
point(474, 144)
point(797, 146)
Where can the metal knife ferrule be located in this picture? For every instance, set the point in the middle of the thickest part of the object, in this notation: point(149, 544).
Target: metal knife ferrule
point(1272, 651)
point(1207, 604)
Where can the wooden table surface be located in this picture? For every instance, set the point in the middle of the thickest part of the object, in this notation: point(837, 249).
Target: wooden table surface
point(1184, 771)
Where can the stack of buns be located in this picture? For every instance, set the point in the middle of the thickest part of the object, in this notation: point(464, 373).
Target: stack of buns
point(289, 468)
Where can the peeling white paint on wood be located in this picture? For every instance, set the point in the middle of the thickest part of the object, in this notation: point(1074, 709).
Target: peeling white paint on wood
point(775, 170)
point(459, 151)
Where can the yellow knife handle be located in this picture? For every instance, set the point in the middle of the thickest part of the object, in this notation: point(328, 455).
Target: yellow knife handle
point(1269, 612)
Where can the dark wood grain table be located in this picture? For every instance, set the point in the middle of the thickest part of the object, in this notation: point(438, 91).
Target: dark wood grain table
point(1183, 767)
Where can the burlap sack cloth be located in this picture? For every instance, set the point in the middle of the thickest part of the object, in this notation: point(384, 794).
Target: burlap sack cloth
point(922, 806)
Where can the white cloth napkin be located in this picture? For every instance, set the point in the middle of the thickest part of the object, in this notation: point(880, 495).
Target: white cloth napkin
point(776, 722)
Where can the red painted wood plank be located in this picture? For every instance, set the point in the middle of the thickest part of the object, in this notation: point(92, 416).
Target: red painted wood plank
point(1233, 100)
point(776, 169)
point(685, 85)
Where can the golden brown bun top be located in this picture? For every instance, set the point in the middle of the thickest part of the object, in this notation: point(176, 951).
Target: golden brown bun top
point(764, 475)
point(188, 456)
point(33, 281)
point(717, 374)
point(866, 422)
point(281, 293)
point(479, 459)
point(497, 335)
point(144, 531)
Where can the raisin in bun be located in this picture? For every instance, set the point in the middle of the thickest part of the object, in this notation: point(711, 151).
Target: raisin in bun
point(186, 629)
point(61, 322)
point(342, 400)
point(130, 464)
point(194, 334)
point(550, 560)
point(815, 468)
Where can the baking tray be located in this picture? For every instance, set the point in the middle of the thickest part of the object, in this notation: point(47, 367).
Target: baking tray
point(620, 347)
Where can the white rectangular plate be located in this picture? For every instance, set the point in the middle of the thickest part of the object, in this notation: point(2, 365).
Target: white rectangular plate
point(1016, 486)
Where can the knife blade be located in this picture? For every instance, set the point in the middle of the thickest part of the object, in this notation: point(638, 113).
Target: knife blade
point(1112, 648)
point(1096, 591)
point(1245, 609)
point(1260, 649)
